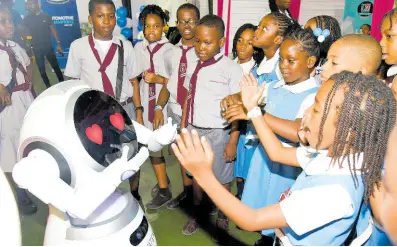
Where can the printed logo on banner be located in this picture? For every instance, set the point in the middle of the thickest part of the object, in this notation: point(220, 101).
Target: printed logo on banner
point(63, 20)
point(57, 1)
point(365, 9)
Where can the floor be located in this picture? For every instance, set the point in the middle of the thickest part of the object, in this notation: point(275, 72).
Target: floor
point(167, 224)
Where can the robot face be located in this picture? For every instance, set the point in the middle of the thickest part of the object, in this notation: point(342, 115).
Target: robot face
point(103, 127)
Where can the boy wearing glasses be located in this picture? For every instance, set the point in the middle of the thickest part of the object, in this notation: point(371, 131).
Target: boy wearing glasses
point(187, 17)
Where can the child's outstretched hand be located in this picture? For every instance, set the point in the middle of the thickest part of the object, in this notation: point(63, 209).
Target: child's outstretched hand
point(250, 92)
point(230, 100)
point(193, 153)
point(235, 112)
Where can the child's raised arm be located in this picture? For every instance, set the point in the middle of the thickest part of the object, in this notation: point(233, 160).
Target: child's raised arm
point(197, 157)
point(250, 94)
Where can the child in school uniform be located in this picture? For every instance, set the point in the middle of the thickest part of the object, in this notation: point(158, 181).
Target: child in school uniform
point(95, 59)
point(323, 204)
point(210, 77)
point(266, 179)
point(152, 66)
point(247, 56)
point(188, 16)
point(15, 99)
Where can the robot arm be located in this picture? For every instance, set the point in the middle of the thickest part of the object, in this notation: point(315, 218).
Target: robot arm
point(156, 140)
point(39, 173)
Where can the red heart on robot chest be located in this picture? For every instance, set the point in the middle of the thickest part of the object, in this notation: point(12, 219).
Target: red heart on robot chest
point(94, 133)
point(117, 121)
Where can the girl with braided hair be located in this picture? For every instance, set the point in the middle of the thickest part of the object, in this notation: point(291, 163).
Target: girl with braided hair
point(347, 130)
point(266, 180)
point(153, 66)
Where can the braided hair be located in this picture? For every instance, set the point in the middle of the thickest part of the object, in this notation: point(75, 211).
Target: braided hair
point(258, 53)
point(275, 9)
point(366, 118)
point(330, 23)
point(152, 10)
point(284, 24)
point(307, 41)
point(390, 15)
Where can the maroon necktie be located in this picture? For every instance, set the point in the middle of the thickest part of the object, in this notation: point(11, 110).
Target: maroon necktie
point(15, 64)
point(181, 90)
point(192, 88)
point(152, 86)
point(107, 85)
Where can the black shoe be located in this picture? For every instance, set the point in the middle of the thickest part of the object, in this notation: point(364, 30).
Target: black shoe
point(222, 229)
point(160, 200)
point(264, 241)
point(181, 199)
point(27, 207)
point(156, 188)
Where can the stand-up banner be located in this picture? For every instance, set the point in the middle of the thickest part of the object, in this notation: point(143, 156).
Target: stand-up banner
point(358, 12)
point(66, 22)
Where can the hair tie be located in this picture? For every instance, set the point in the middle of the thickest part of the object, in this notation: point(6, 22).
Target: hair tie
point(321, 34)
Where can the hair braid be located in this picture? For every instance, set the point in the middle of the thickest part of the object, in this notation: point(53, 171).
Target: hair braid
point(152, 10)
point(307, 41)
point(366, 118)
point(390, 15)
point(330, 23)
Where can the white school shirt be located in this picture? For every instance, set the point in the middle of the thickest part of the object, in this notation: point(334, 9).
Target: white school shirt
point(306, 104)
point(324, 203)
point(160, 67)
point(172, 7)
point(247, 67)
point(174, 56)
point(83, 65)
point(11, 118)
point(214, 83)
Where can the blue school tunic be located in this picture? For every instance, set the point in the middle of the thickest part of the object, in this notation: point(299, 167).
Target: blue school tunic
point(266, 179)
point(247, 141)
point(337, 231)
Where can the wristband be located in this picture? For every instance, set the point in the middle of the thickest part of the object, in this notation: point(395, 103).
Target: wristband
point(158, 107)
point(139, 108)
point(255, 112)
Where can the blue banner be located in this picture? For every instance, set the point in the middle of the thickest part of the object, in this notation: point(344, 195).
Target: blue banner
point(66, 21)
point(359, 12)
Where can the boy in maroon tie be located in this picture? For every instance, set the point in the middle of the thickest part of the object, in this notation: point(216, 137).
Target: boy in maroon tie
point(211, 76)
point(95, 58)
point(188, 16)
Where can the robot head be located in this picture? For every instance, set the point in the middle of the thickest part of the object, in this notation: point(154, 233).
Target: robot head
point(82, 128)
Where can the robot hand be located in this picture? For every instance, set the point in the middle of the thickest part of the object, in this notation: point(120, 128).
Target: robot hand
point(92, 194)
point(165, 135)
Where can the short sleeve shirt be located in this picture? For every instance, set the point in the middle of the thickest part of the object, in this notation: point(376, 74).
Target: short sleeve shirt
point(83, 65)
point(38, 26)
point(214, 83)
point(6, 69)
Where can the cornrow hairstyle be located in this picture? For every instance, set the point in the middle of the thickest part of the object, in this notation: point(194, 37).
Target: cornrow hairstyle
point(93, 3)
point(285, 25)
point(307, 41)
point(366, 118)
point(274, 8)
point(390, 15)
point(189, 6)
point(330, 23)
point(213, 21)
point(258, 53)
point(152, 10)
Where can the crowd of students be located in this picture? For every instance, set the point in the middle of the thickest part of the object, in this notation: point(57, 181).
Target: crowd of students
point(301, 118)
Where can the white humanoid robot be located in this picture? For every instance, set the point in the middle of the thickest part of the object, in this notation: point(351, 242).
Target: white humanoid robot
point(77, 145)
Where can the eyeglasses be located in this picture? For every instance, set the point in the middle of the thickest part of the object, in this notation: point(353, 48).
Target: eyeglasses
point(191, 23)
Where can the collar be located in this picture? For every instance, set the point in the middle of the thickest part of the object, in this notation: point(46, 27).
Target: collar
point(298, 88)
point(267, 66)
point(181, 45)
point(392, 71)
point(151, 45)
point(216, 56)
point(8, 43)
point(115, 40)
point(321, 163)
point(285, 13)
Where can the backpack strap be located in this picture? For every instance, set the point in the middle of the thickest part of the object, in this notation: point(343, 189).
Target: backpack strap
point(120, 71)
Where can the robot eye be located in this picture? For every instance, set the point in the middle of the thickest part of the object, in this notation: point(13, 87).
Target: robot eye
point(94, 133)
point(117, 121)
